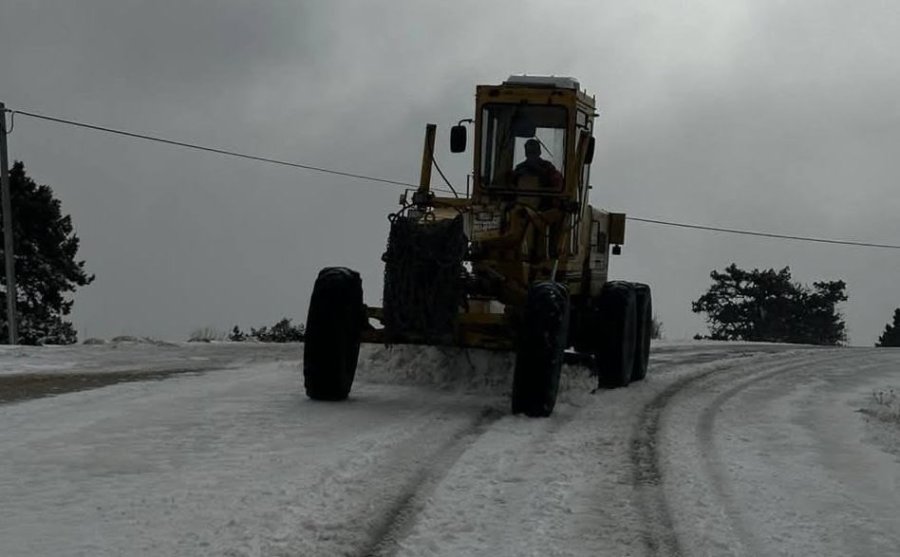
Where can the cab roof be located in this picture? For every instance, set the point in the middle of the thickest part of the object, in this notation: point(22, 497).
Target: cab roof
point(557, 82)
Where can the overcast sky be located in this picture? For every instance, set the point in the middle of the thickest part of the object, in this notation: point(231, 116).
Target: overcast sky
point(767, 115)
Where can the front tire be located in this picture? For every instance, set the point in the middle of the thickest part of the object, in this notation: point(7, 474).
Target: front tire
point(333, 330)
point(541, 342)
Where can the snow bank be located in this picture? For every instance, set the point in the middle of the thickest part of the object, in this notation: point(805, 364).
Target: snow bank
point(882, 413)
point(135, 354)
point(457, 369)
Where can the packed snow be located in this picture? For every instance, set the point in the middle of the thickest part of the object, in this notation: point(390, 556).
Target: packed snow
point(726, 449)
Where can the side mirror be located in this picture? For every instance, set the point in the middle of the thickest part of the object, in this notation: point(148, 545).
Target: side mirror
point(458, 139)
point(589, 154)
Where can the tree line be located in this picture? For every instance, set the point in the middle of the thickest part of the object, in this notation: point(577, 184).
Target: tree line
point(756, 305)
point(768, 306)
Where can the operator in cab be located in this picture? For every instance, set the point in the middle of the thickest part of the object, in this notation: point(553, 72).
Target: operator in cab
point(533, 165)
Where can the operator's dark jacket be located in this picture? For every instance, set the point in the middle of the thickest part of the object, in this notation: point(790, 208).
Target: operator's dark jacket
point(548, 175)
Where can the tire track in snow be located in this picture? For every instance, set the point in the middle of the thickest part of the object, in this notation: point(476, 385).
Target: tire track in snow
point(707, 418)
point(369, 482)
point(484, 490)
point(748, 542)
point(398, 517)
point(30, 386)
point(373, 503)
point(713, 469)
point(660, 537)
point(645, 454)
point(506, 505)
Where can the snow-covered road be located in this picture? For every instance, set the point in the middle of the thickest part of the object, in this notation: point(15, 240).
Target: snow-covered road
point(779, 460)
point(724, 450)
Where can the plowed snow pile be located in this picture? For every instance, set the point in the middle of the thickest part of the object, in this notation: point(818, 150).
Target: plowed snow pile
point(458, 369)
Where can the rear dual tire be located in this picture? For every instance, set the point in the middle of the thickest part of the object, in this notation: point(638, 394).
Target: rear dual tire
point(644, 309)
point(617, 316)
point(624, 312)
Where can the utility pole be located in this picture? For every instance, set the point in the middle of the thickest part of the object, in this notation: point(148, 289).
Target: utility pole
point(9, 256)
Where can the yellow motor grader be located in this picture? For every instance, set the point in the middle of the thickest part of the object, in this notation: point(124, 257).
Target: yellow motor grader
point(519, 263)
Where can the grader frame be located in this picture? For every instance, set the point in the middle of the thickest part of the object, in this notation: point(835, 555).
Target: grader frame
point(533, 271)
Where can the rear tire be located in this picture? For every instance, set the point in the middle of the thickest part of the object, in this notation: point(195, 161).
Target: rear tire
point(644, 331)
point(541, 342)
point(618, 334)
point(333, 330)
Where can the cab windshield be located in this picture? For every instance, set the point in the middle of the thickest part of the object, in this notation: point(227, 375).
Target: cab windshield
point(523, 147)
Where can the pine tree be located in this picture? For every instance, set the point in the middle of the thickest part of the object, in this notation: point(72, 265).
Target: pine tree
point(46, 267)
point(891, 334)
point(767, 306)
point(237, 335)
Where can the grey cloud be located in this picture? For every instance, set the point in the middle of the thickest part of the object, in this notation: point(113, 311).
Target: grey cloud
point(766, 115)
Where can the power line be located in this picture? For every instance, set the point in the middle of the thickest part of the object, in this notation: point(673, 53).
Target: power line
point(270, 160)
point(441, 172)
point(765, 234)
point(216, 150)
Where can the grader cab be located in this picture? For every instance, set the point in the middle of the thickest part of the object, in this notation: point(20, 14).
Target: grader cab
point(520, 263)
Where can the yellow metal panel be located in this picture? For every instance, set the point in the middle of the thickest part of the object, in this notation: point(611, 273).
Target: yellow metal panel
point(427, 157)
point(445, 213)
point(459, 202)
